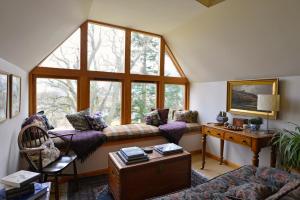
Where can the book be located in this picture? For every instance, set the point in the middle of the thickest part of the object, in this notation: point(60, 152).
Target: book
point(132, 158)
point(133, 152)
point(168, 148)
point(39, 190)
point(128, 162)
point(20, 178)
point(13, 192)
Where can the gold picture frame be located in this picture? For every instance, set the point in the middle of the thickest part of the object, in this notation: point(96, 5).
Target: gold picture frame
point(242, 96)
point(15, 95)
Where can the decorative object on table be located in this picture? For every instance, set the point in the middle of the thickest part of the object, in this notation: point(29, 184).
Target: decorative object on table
point(132, 155)
point(246, 126)
point(233, 128)
point(288, 147)
point(15, 95)
point(222, 117)
point(148, 149)
point(255, 123)
point(3, 96)
point(242, 96)
point(268, 103)
point(226, 124)
point(169, 148)
point(239, 122)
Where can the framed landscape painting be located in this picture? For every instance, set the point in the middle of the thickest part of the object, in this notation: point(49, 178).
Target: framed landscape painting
point(242, 96)
point(3, 96)
point(15, 95)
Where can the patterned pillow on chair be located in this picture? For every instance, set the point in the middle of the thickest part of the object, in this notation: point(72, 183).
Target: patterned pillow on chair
point(96, 121)
point(153, 118)
point(78, 120)
point(35, 119)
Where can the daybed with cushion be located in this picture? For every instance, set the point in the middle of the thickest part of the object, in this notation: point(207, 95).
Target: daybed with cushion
point(245, 183)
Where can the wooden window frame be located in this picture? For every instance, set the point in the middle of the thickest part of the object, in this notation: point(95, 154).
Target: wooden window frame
point(83, 75)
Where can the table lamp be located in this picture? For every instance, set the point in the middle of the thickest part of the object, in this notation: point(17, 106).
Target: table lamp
point(268, 102)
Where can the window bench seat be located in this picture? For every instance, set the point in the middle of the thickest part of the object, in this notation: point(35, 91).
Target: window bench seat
point(132, 135)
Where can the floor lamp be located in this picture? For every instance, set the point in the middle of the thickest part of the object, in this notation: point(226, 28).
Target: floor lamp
point(269, 103)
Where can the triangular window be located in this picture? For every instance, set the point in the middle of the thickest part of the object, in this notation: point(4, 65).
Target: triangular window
point(67, 55)
point(170, 66)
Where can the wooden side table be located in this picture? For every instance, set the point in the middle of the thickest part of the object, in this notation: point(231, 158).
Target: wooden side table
point(254, 140)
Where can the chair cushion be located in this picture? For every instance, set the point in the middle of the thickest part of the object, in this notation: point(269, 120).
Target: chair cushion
point(49, 154)
point(153, 118)
point(78, 120)
point(96, 121)
point(130, 131)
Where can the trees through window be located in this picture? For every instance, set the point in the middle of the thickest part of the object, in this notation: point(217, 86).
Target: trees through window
point(57, 97)
point(132, 84)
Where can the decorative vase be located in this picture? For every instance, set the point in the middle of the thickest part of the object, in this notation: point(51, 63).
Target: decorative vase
point(222, 117)
point(254, 127)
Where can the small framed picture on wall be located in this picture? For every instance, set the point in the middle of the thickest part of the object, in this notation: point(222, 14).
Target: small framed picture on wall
point(15, 95)
point(3, 96)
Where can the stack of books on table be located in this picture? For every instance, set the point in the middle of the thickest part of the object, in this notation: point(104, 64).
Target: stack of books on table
point(21, 185)
point(132, 155)
point(169, 148)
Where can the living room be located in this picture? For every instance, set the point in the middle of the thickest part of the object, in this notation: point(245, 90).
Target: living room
point(144, 69)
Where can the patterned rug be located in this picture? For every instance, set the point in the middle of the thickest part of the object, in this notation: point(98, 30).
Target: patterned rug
point(95, 187)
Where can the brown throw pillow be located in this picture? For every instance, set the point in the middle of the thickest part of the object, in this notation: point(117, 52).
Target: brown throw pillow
point(163, 114)
point(78, 120)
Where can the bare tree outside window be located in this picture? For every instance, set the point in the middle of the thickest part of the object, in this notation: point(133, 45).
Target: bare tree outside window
point(57, 97)
point(105, 96)
point(145, 54)
point(143, 98)
point(174, 97)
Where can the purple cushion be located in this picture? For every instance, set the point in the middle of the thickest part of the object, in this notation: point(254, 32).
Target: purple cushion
point(163, 114)
point(96, 121)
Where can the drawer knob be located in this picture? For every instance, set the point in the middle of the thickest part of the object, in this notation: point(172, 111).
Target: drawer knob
point(244, 141)
point(231, 137)
point(219, 134)
point(208, 131)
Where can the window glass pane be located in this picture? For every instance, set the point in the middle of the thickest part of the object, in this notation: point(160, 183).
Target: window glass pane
point(57, 97)
point(145, 54)
point(66, 55)
point(143, 98)
point(106, 48)
point(174, 97)
point(170, 68)
point(105, 96)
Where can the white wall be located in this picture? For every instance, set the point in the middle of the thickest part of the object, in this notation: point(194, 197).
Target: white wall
point(9, 129)
point(210, 97)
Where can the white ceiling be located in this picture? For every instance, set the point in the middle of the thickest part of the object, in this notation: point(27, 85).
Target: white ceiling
point(236, 39)
point(31, 29)
point(157, 16)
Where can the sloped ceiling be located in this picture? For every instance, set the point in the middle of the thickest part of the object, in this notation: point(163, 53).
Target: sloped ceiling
point(240, 39)
point(31, 29)
point(236, 39)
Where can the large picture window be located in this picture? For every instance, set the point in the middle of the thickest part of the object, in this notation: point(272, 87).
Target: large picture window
point(145, 54)
point(57, 97)
point(118, 71)
point(106, 48)
point(105, 96)
point(143, 98)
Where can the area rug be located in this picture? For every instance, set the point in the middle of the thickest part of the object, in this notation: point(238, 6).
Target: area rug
point(95, 187)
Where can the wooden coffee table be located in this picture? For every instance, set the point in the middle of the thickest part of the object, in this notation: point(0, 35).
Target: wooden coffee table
point(158, 176)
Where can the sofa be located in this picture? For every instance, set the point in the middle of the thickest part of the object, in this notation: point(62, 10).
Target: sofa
point(247, 183)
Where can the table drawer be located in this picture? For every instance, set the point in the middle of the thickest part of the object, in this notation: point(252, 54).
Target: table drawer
point(238, 139)
point(214, 132)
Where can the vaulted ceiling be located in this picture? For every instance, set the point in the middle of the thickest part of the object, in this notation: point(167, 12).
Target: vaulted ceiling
point(234, 39)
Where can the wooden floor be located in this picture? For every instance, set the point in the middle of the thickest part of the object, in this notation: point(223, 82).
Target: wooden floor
point(212, 169)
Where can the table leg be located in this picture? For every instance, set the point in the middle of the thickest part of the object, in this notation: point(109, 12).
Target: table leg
point(203, 150)
point(255, 159)
point(221, 151)
point(273, 156)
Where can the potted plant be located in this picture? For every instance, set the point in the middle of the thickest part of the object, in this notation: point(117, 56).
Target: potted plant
point(288, 147)
point(255, 123)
